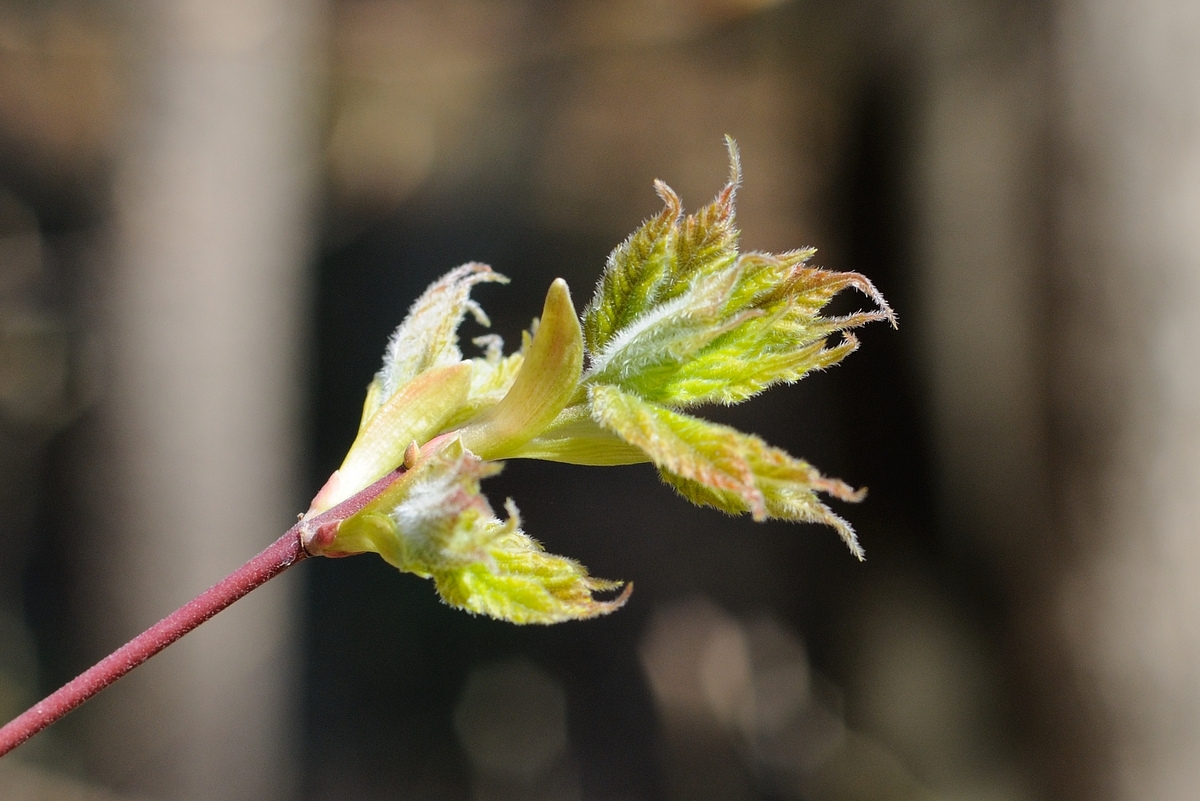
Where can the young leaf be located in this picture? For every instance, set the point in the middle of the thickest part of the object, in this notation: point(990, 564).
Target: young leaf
point(434, 522)
point(719, 466)
point(679, 318)
point(658, 261)
point(428, 337)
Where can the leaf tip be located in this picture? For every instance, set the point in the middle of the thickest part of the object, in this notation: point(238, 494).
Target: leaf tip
point(735, 164)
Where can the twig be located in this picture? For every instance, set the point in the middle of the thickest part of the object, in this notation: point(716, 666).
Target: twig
point(273, 560)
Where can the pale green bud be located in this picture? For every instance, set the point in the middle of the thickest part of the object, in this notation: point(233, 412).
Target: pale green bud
point(548, 378)
point(417, 411)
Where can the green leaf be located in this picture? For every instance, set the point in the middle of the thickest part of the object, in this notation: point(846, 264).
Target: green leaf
point(434, 522)
point(659, 260)
point(774, 336)
point(719, 466)
point(521, 583)
point(679, 318)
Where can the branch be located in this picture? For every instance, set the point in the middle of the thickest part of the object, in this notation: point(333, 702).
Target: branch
point(273, 560)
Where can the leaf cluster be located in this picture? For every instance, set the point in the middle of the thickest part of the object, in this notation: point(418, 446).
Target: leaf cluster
point(680, 318)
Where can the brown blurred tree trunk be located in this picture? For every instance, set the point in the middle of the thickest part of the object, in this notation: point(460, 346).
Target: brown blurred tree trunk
point(1083, 486)
point(1126, 385)
point(198, 441)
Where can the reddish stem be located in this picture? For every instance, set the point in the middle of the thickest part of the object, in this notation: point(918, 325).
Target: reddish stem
point(273, 560)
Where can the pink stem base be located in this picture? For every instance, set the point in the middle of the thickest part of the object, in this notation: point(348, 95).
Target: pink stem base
point(276, 558)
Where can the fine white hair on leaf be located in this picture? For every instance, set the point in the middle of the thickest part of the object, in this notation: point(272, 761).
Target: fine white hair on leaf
point(635, 330)
point(492, 346)
point(735, 165)
point(441, 489)
point(428, 337)
point(436, 498)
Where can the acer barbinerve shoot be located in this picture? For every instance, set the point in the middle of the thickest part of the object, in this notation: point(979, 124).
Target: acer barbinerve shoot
point(679, 319)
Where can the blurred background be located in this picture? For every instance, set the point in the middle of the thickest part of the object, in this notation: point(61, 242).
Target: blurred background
point(213, 212)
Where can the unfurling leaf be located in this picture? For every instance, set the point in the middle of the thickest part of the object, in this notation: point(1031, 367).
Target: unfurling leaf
point(434, 522)
point(719, 466)
point(428, 337)
point(659, 260)
point(680, 318)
